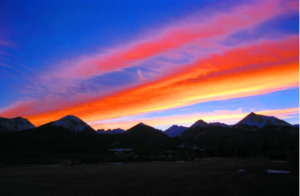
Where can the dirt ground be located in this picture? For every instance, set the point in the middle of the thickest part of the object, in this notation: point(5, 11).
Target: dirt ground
point(213, 176)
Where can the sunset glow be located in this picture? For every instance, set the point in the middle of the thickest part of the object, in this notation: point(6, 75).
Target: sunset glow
point(217, 62)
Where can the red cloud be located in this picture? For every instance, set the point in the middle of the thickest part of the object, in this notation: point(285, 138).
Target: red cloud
point(251, 70)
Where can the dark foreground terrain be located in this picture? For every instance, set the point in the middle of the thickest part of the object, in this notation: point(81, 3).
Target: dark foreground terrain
point(210, 176)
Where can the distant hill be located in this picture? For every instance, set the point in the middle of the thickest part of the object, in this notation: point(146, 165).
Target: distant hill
point(244, 140)
point(175, 130)
point(14, 124)
point(143, 137)
point(218, 124)
point(261, 121)
point(145, 131)
point(109, 131)
point(208, 132)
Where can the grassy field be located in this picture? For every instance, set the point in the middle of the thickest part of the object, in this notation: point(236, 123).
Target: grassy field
point(213, 176)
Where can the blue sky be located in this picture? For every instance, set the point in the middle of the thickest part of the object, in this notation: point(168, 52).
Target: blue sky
point(147, 59)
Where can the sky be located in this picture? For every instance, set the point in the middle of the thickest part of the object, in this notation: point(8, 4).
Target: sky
point(120, 62)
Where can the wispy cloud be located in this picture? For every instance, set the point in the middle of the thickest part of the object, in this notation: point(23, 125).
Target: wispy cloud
point(141, 75)
point(220, 73)
point(253, 70)
point(4, 44)
point(204, 32)
point(5, 65)
point(174, 37)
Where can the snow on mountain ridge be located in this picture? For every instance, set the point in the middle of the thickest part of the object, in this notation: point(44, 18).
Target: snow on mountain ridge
point(15, 124)
point(261, 121)
point(71, 122)
point(71, 117)
point(175, 130)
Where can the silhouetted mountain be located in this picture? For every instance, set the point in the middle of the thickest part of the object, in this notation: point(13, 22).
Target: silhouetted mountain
point(101, 131)
point(261, 121)
point(244, 140)
point(201, 127)
point(72, 139)
point(109, 131)
point(218, 131)
point(146, 131)
point(175, 130)
point(67, 123)
point(218, 124)
point(118, 130)
point(200, 123)
point(14, 124)
point(197, 132)
point(144, 138)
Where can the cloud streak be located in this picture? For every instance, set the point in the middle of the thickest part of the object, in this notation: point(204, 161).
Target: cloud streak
point(222, 73)
point(252, 70)
point(174, 37)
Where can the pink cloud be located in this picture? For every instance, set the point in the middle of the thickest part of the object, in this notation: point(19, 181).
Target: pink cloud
point(169, 43)
point(230, 75)
point(174, 37)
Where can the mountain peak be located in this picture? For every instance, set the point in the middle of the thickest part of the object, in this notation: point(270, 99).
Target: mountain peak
point(71, 117)
point(71, 122)
point(142, 124)
point(145, 131)
point(174, 126)
point(15, 124)
point(175, 130)
point(261, 121)
point(201, 123)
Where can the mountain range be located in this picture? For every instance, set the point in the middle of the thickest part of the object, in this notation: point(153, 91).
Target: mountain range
point(72, 139)
point(76, 125)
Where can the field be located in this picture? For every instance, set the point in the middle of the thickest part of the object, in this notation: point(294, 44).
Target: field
point(210, 176)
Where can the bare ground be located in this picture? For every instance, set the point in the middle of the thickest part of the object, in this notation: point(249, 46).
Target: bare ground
point(213, 176)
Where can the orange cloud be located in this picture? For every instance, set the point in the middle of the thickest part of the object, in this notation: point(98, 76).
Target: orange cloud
point(248, 71)
point(180, 86)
